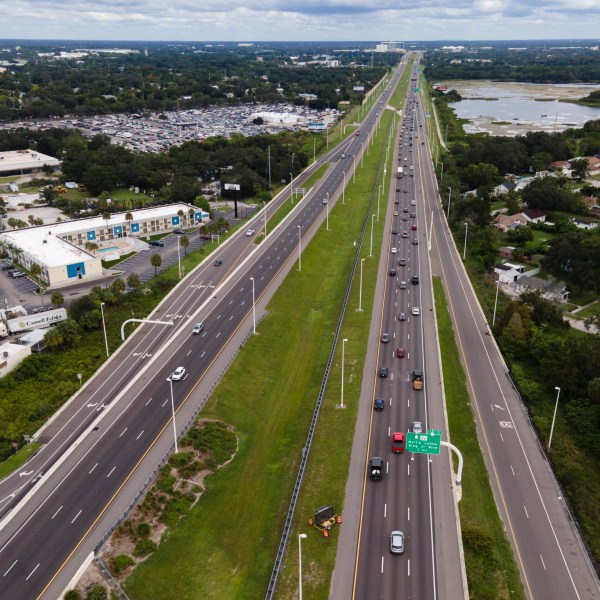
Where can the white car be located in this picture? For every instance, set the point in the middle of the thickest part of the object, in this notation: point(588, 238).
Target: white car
point(413, 202)
point(249, 232)
point(417, 427)
point(415, 311)
point(198, 327)
point(178, 374)
point(394, 250)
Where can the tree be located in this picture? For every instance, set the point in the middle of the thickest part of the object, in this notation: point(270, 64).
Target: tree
point(98, 178)
point(65, 335)
point(91, 247)
point(519, 235)
point(118, 286)
point(185, 242)
point(513, 338)
point(98, 592)
point(35, 270)
point(129, 218)
point(579, 168)
point(57, 299)
point(155, 261)
point(134, 281)
point(106, 217)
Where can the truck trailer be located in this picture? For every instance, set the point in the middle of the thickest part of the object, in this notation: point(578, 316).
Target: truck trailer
point(28, 322)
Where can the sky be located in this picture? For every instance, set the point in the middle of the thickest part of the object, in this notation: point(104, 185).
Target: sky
point(292, 20)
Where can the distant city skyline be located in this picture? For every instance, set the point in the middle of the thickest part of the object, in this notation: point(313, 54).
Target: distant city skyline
point(310, 20)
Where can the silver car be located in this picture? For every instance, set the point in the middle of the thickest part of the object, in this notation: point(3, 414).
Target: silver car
point(178, 374)
point(397, 542)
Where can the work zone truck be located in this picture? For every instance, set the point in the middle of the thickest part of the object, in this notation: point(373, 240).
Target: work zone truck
point(417, 380)
point(400, 172)
point(27, 322)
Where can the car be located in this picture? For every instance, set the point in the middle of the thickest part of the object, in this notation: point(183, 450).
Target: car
point(396, 542)
point(398, 189)
point(400, 352)
point(7, 266)
point(415, 311)
point(394, 231)
point(343, 156)
point(378, 404)
point(402, 262)
point(405, 218)
point(325, 201)
point(412, 215)
point(417, 427)
point(218, 262)
point(249, 232)
point(394, 250)
point(178, 231)
point(156, 243)
point(17, 274)
point(415, 241)
point(414, 227)
point(178, 374)
point(398, 442)
point(393, 272)
point(405, 234)
point(198, 327)
point(405, 209)
point(385, 338)
point(413, 202)
point(414, 280)
point(402, 317)
point(395, 213)
point(396, 201)
point(383, 372)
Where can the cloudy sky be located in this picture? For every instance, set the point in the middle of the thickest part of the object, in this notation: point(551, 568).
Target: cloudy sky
point(289, 20)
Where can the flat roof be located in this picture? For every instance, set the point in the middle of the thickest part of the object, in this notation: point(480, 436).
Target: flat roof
point(46, 244)
point(15, 160)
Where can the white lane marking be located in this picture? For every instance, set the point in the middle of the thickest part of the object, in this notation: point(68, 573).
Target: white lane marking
point(391, 376)
point(189, 353)
point(526, 513)
point(243, 302)
point(32, 572)
point(501, 437)
point(122, 432)
point(231, 302)
point(218, 334)
point(203, 354)
point(56, 512)
point(389, 431)
point(231, 317)
point(408, 508)
point(408, 469)
point(385, 510)
point(511, 468)
point(543, 563)
point(387, 467)
point(148, 401)
point(492, 407)
point(111, 472)
point(93, 468)
point(382, 564)
point(140, 434)
point(218, 317)
point(75, 517)
point(408, 337)
point(164, 402)
point(9, 568)
point(408, 567)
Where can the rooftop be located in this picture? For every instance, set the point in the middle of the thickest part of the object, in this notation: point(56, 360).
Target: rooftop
point(15, 160)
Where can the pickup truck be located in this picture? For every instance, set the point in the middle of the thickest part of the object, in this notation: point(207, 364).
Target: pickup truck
point(417, 380)
point(376, 468)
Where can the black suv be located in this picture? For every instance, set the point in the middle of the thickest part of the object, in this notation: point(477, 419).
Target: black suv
point(156, 243)
point(378, 404)
point(383, 372)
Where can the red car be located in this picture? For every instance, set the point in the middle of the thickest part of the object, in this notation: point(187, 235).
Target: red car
point(398, 442)
point(414, 227)
point(400, 352)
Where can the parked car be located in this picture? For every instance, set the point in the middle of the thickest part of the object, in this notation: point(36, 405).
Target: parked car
point(157, 243)
point(178, 231)
point(17, 274)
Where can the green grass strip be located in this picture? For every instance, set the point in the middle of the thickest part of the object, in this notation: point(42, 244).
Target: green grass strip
point(17, 459)
point(491, 568)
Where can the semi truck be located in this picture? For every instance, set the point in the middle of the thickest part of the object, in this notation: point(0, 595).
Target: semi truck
point(25, 322)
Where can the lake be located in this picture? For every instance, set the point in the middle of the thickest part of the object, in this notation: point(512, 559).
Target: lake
point(518, 105)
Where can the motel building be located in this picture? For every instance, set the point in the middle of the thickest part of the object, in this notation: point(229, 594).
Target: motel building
point(64, 251)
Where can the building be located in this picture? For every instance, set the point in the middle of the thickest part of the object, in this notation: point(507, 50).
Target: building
point(584, 223)
point(550, 290)
point(506, 222)
point(66, 253)
point(21, 162)
point(505, 251)
point(508, 272)
point(535, 215)
point(11, 355)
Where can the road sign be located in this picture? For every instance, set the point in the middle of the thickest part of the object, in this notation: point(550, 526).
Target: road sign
point(423, 443)
point(417, 89)
point(435, 432)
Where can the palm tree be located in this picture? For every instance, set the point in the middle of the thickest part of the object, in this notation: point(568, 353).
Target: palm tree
point(91, 247)
point(129, 218)
point(155, 261)
point(184, 242)
point(57, 299)
point(180, 213)
point(106, 217)
point(191, 213)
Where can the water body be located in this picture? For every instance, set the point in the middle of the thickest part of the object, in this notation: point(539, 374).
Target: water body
point(519, 107)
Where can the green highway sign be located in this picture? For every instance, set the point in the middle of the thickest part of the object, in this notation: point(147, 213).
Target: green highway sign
point(417, 89)
point(435, 432)
point(423, 443)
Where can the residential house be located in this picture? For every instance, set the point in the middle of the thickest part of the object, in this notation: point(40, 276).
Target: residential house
point(505, 251)
point(508, 272)
point(562, 166)
point(535, 215)
point(504, 188)
point(506, 222)
point(550, 290)
point(593, 167)
point(584, 223)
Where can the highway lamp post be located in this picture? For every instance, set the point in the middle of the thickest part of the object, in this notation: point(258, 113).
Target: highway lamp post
point(253, 308)
point(344, 189)
point(354, 171)
point(301, 536)
point(327, 212)
point(442, 175)
point(371, 246)
point(314, 150)
point(465, 248)
point(553, 418)
point(292, 187)
point(362, 260)
point(496, 301)
point(378, 198)
point(104, 327)
point(178, 258)
point(265, 217)
point(449, 198)
point(299, 248)
point(343, 356)
point(173, 414)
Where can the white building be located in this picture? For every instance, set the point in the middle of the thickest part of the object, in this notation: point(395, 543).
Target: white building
point(508, 273)
point(11, 355)
point(25, 161)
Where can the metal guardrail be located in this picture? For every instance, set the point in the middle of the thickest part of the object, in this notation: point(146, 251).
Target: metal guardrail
point(305, 451)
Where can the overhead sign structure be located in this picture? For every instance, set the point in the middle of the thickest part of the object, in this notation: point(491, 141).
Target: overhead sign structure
point(423, 443)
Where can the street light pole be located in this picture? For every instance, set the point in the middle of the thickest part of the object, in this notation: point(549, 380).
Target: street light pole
point(378, 198)
point(442, 175)
point(301, 536)
point(465, 248)
point(344, 188)
point(371, 246)
point(299, 248)
point(173, 413)
point(292, 187)
point(554, 417)
point(327, 212)
point(343, 356)
point(314, 151)
point(496, 302)
point(354, 170)
point(253, 308)
point(362, 260)
point(178, 258)
point(449, 197)
point(104, 327)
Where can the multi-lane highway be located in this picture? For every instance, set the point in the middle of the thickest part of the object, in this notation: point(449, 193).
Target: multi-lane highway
point(107, 443)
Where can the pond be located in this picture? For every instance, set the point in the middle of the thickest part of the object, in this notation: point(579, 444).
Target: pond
point(505, 108)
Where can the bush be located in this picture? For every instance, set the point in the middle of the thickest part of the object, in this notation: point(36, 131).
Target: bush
point(121, 562)
point(143, 529)
point(72, 595)
point(98, 592)
point(144, 547)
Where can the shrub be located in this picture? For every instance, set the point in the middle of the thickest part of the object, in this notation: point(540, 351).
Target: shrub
point(121, 562)
point(72, 595)
point(144, 547)
point(98, 592)
point(143, 529)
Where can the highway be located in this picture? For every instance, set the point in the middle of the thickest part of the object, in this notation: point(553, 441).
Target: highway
point(411, 492)
point(105, 446)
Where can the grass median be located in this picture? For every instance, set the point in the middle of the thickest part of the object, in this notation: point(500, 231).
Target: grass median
point(226, 546)
point(491, 569)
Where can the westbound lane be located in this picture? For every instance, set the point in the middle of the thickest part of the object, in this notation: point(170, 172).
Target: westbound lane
point(66, 505)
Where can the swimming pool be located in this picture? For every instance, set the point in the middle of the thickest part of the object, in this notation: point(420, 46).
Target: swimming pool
point(109, 249)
